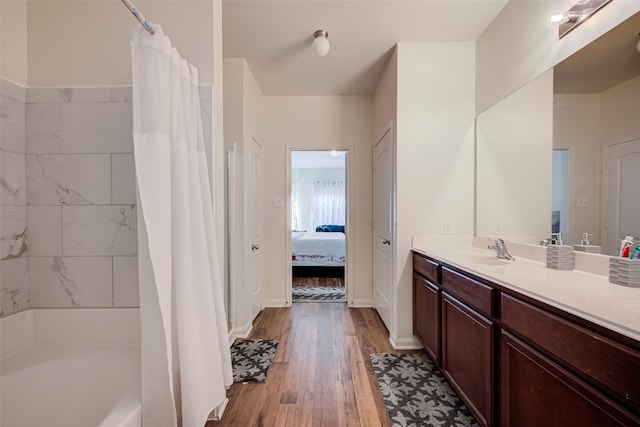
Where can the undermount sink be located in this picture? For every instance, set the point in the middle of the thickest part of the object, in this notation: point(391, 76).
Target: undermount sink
point(484, 258)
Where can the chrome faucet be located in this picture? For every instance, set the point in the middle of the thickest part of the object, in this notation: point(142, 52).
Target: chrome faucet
point(501, 250)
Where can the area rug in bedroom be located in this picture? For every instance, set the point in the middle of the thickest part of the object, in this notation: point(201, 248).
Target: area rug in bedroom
point(318, 294)
point(251, 359)
point(416, 394)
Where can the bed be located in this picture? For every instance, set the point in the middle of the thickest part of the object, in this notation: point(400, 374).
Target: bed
point(317, 254)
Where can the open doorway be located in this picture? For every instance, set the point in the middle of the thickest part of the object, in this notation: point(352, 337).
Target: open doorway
point(318, 232)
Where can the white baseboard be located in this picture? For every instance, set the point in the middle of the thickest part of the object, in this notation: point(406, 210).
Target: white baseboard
point(276, 303)
point(242, 332)
point(361, 303)
point(405, 343)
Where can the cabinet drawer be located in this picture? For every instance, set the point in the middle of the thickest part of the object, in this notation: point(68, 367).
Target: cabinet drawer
point(427, 268)
point(426, 315)
point(610, 364)
point(471, 292)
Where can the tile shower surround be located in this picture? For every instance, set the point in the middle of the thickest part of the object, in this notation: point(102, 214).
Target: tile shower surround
point(14, 261)
point(69, 235)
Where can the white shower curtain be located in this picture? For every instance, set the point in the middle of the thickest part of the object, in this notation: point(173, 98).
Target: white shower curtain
point(186, 363)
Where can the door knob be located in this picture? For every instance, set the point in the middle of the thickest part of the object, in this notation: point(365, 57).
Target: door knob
point(255, 247)
point(386, 242)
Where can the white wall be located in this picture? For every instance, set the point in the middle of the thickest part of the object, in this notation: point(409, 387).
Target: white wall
point(620, 106)
point(215, 150)
point(385, 98)
point(318, 122)
point(514, 147)
point(521, 43)
point(86, 43)
point(434, 156)
point(233, 103)
point(13, 40)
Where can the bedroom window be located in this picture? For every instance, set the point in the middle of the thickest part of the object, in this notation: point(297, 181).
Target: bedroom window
point(328, 202)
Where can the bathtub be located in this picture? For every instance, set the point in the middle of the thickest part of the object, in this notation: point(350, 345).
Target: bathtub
point(76, 367)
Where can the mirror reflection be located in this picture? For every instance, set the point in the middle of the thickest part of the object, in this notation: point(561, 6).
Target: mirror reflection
point(562, 154)
point(596, 141)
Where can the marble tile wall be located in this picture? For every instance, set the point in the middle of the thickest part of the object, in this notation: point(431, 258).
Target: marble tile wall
point(81, 214)
point(14, 264)
point(69, 235)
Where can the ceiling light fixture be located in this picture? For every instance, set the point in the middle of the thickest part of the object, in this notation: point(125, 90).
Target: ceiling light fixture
point(577, 14)
point(321, 42)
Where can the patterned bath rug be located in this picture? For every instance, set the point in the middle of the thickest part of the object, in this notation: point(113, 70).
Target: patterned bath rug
point(251, 359)
point(416, 394)
point(318, 294)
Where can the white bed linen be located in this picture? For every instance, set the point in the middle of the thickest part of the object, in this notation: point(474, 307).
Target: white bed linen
point(318, 244)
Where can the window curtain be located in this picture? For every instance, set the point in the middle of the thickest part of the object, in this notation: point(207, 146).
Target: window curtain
point(328, 202)
point(186, 361)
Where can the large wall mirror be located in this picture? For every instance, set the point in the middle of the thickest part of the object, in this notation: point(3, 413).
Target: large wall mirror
point(562, 154)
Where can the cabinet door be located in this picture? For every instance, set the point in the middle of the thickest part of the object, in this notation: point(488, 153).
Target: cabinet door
point(426, 316)
point(537, 392)
point(467, 356)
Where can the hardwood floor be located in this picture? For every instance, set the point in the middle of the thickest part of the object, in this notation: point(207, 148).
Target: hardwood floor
point(321, 374)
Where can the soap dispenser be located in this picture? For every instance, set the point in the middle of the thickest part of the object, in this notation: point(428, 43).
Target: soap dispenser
point(585, 246)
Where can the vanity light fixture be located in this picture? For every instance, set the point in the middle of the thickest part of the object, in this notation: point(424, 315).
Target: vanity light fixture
point(576, 15)
point(638, 45)
point(571, 16)
point(321, 42)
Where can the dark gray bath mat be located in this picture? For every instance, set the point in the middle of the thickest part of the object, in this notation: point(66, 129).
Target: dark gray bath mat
point(416, 394)
point(251, 359)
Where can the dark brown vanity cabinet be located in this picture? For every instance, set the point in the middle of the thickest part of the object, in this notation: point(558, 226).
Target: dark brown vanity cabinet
point(577, 377)
point(536, 391)
point(451, 321)
point(518, 362)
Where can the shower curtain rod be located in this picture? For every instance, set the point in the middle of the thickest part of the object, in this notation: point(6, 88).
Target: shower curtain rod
point(138, 16)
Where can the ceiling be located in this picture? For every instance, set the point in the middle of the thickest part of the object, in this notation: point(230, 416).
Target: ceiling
point(275, 38)
point(603, 63)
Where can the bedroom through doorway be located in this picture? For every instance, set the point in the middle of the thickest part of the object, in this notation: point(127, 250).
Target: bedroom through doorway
point(318, 231)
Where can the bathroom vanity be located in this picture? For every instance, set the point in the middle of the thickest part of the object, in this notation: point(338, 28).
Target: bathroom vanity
point(524, 345)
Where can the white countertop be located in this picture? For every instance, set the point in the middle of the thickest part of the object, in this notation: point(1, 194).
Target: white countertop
point(587, 295)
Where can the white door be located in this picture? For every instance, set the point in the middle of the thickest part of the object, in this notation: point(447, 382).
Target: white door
point(623, 194)
point(254, 265)
point(382, 227)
